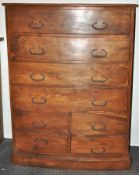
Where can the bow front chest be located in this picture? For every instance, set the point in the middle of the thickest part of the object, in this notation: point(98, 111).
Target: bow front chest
point(70, 84)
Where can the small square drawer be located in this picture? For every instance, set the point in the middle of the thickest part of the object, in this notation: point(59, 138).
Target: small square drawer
point(95, 146)
point(48, 19)
point(49, 121)
point(99, 123)
point(40, 143)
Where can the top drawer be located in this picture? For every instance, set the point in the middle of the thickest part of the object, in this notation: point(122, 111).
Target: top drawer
point(43, 19)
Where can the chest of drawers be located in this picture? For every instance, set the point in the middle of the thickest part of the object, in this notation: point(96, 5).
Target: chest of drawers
point(70, 82)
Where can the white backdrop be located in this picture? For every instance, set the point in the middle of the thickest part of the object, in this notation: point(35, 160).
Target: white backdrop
point(4, 62)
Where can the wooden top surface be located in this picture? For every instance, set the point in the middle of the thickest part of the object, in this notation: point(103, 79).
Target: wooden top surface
point(73, 4)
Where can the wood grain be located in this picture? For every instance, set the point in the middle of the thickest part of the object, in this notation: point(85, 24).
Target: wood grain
point(69, 74)
point(41, 19)
point(71, 84)
point(41, 143)
point(93, 123)
point(99, 146)
point(57, 48)
point(38, 121)
point(41, 98)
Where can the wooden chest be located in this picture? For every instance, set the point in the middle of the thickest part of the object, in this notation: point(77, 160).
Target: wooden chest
point(70, 82)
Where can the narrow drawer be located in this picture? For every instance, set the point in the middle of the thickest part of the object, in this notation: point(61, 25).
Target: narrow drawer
point(48, 121)
point(99, 123)
point(112, 145)
point(68, 48)
point(42, 98)
point(41, 143)
point(69, 74)
point(43, 19)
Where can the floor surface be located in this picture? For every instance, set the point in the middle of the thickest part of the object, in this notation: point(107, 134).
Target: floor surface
point(7, 168)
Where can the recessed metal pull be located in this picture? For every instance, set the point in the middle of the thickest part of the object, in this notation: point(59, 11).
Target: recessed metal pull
point(99, 103)
point(98, 150)
point(97, 79)
point(99, 25)
point(39, 51)
point(39, 100)
point(96, 53)
point(36, 24)
point(37, 77)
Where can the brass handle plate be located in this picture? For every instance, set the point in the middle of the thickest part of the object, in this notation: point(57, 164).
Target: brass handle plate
point(39, 124)
point(37, 77)
point(100, 79)
point(98, 150)
point(39, 51)
point(39, 100)
point(98, 127)
point(99, 25)
point(96, 53)
point(36, 24)
point(99, 103)
point(41, 141)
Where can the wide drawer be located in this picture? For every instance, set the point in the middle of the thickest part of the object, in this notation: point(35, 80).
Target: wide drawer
point(99, 123)
point(68, 48)
point(69, 74)
point(43, 19)
point(112, 145)
point(40, 143)
point(42, 98)
point(48, 121)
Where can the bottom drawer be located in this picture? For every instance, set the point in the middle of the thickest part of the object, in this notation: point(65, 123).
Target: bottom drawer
point(99, 145)
point(41, 143)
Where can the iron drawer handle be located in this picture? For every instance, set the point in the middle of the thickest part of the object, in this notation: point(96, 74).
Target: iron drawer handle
point(99, 80)
point(98, 150)
point(36, 24)
point(40, 100)
point(40, 51)
point(99, 103)
point(99, 53)
point(36, 77)
point(41, 140)
point(96, 127)
point(99, 25)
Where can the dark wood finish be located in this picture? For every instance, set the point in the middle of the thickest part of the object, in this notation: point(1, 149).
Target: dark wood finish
point(69, 74)
point(55, 48)
point(48, 121)
point(42, 98)
point(84, 21)
point(99, 146)
point(41, 143)
point(70, 81)
point(95, 123)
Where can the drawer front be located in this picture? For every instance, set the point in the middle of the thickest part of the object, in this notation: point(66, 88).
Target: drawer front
point(79, 21)
point(41, 143)
point(99, 145)
point(61, 48)
point(41, 98)
point(93, 123)
point(69, 74)
point(48, 121)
